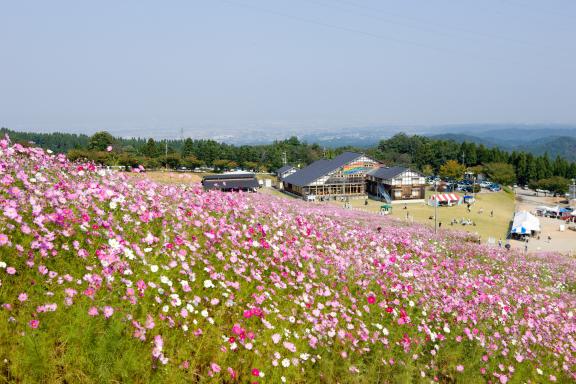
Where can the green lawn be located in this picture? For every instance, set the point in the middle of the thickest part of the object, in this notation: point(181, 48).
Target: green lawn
point(501, 202)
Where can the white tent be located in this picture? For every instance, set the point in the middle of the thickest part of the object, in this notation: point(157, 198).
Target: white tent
point(525, 223)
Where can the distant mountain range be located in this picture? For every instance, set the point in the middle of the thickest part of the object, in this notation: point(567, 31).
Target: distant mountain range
point(537, 140)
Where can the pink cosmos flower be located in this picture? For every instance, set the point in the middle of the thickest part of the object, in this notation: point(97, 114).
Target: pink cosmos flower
point(371, 299)
point(34, 323)
point(108, 311)
point(22, 297)
point(255, 372)
point(232, 372)
point(109, 148)
point(3, 239)
point(215, 367)
point(11, 270)
point(93, 311)
point(460, 368)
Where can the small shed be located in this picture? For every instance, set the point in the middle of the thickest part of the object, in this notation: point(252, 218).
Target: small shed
point(229, 182)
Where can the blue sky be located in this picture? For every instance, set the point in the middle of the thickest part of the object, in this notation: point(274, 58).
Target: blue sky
point(139, 67)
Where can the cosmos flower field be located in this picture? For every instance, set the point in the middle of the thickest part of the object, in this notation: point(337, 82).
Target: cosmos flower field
point(107, 279)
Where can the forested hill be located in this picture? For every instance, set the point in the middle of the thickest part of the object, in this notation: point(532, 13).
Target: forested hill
point(538, 142)
point(423, 153)
point(56, 141)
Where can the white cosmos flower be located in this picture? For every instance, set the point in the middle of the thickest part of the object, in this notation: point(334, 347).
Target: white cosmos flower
point(154, 268)
point(129, 254)
point(208, 284)
point(114, 243)
point(285, 363)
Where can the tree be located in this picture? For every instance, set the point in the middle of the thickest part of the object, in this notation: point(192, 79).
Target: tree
point(476, 170)
point(452, 170)
point(251, 165)
point(222, 164)
point(554, 184)
point(502, 173)
point(172, 161)
point(100, 141)
point(188, 148)
point(427, 170)
point(151, 148)
point(191, 162)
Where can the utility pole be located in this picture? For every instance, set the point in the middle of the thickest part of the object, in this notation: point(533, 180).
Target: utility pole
point(166, 153)
point(435, 206)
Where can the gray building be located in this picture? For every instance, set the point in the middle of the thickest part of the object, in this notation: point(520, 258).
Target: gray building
point(345, 175)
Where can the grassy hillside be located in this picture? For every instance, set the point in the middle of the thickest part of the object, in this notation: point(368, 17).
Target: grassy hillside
point(105, 279)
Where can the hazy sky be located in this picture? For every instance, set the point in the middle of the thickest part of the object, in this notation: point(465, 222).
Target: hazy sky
point(139, 67)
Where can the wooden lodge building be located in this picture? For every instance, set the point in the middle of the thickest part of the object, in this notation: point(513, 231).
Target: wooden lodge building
point(345, 175)
point(355, 175)
point(395, 183)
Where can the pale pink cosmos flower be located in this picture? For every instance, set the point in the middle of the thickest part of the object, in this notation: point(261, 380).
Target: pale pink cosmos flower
point(276, 338)
point(3, 239)
point(11, 270)
point(289, 346)
point(108, 311)
point(93, 311)
point(22, 297)
point(215, 367)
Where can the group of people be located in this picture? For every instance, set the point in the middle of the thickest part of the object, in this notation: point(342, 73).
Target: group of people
point(463, 221)
point(480, 211)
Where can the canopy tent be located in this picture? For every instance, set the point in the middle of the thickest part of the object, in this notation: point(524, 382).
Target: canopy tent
point(525, 223)
point(447, 198)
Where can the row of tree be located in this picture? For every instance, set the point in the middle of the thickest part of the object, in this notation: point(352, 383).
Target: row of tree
point(431, 156)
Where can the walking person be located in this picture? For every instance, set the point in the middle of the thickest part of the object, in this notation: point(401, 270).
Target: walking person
point(499, 243)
